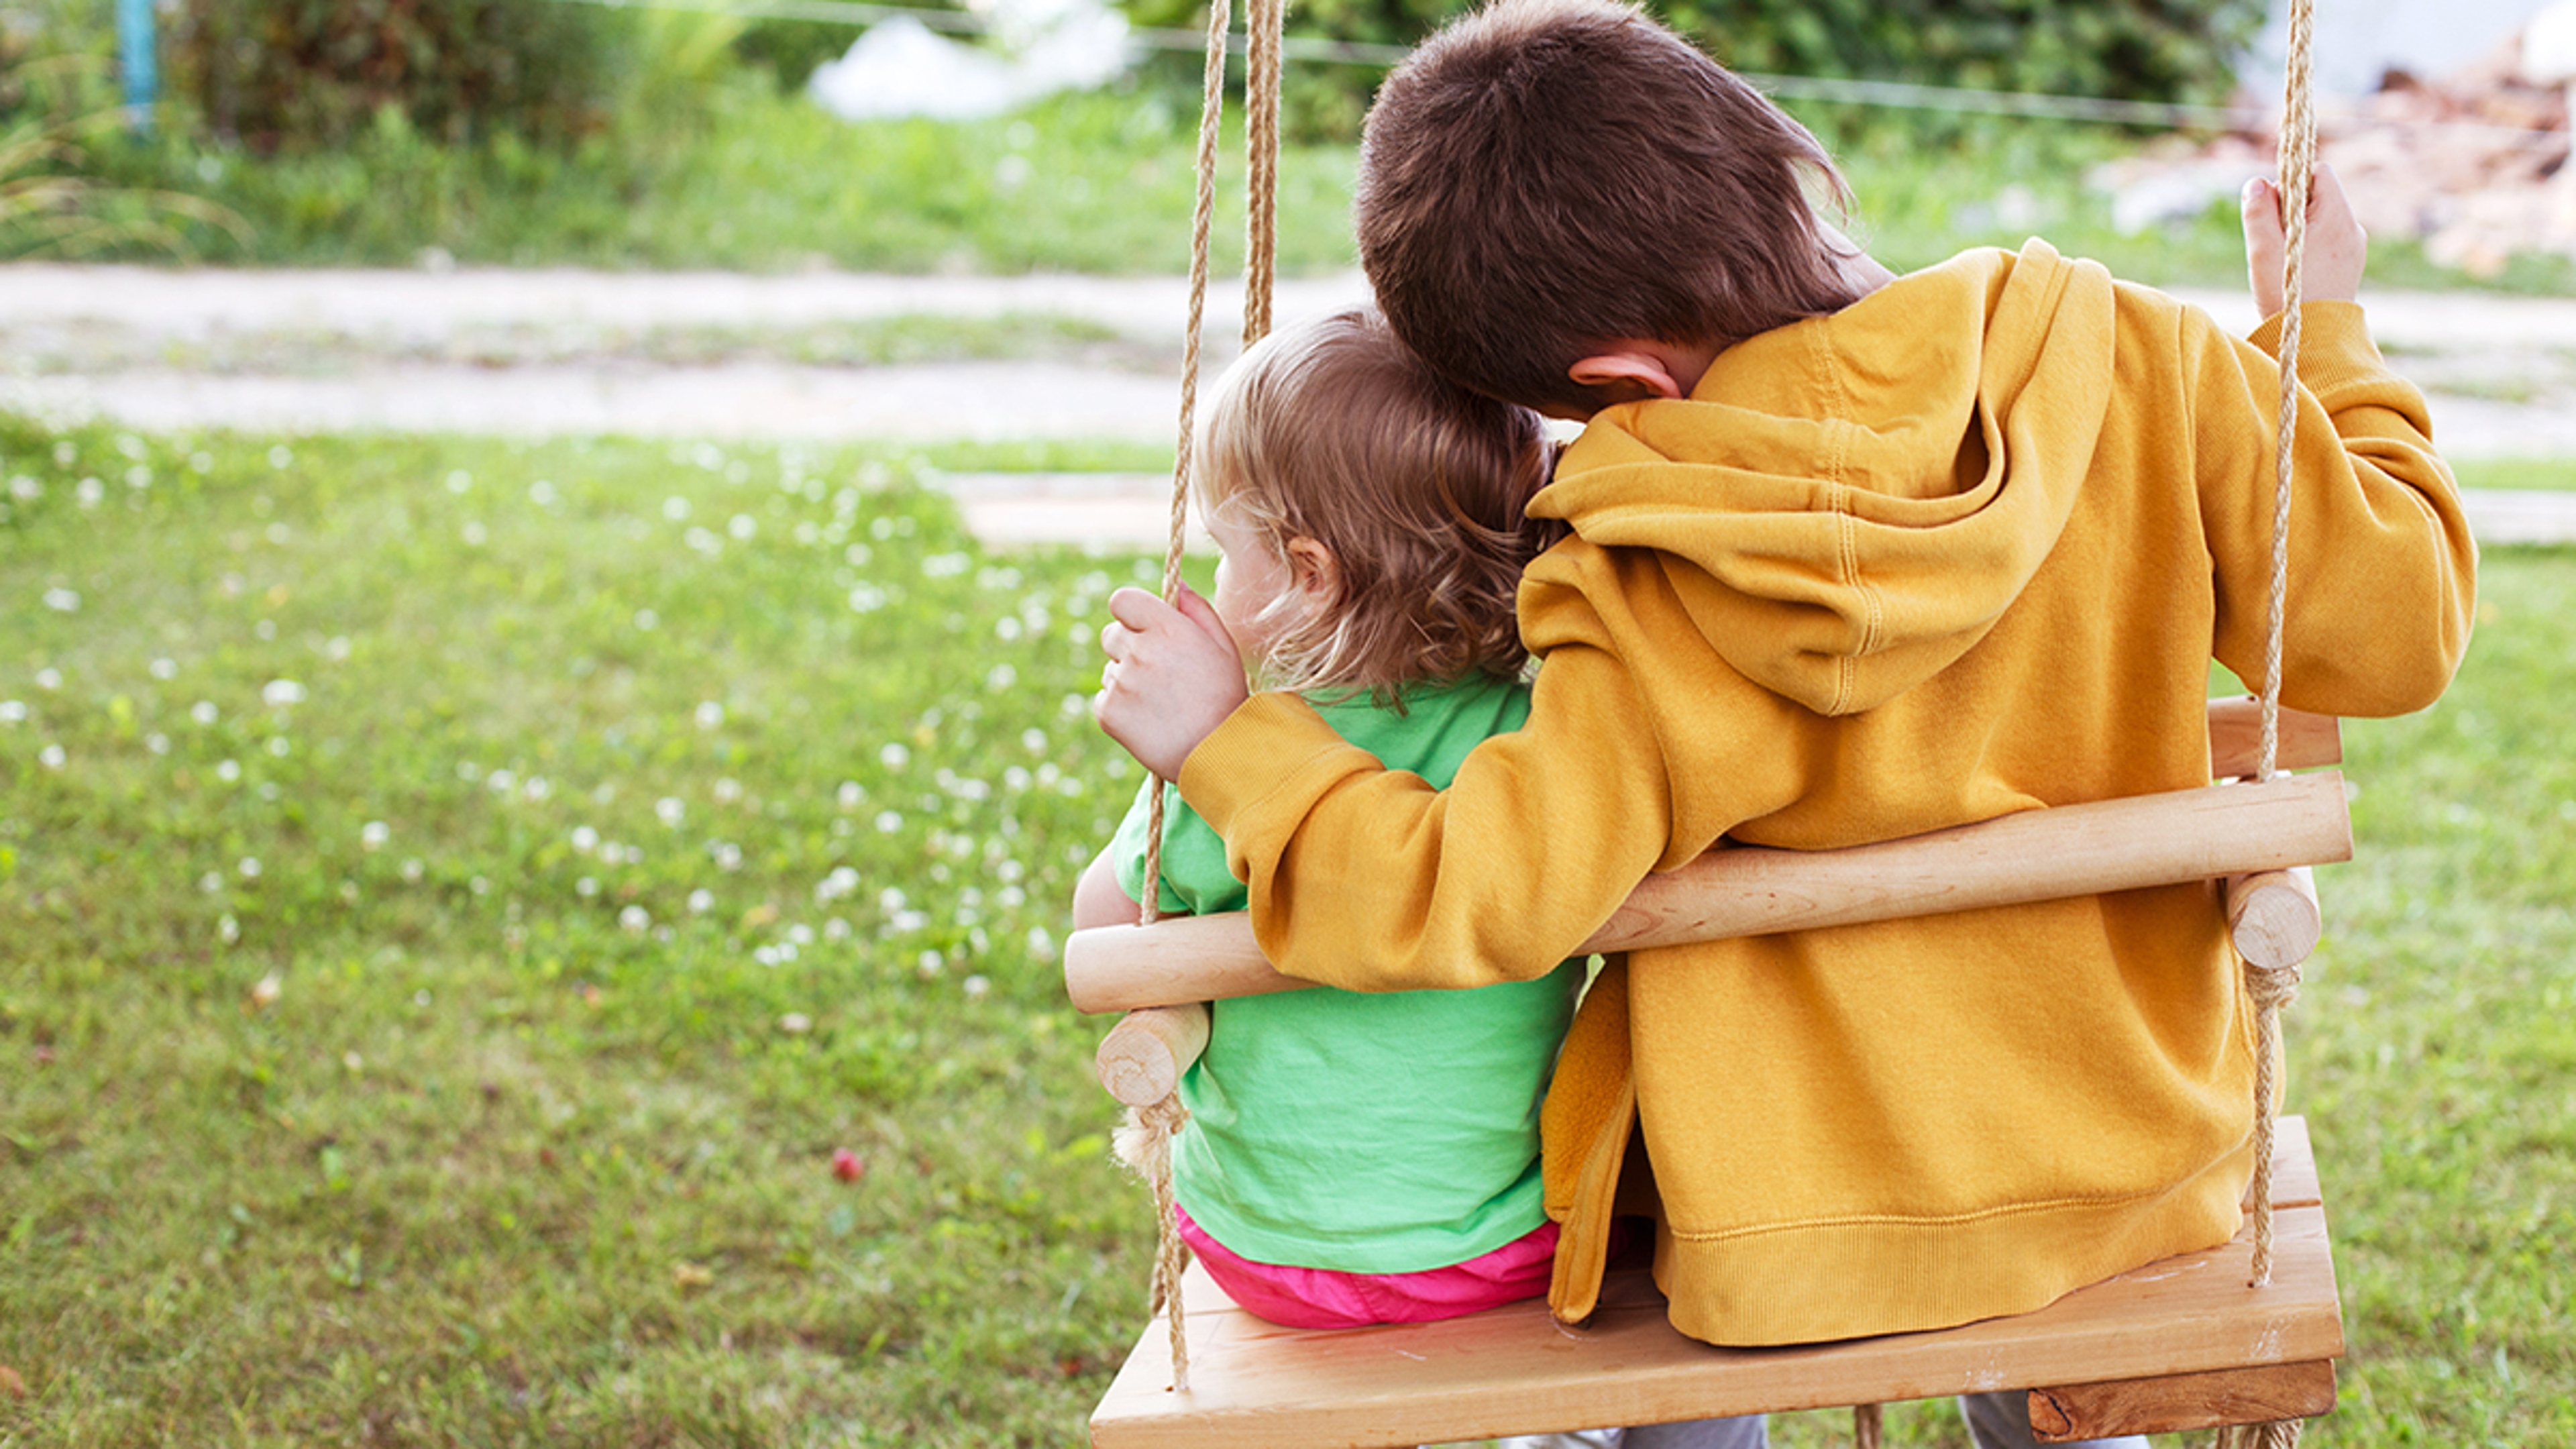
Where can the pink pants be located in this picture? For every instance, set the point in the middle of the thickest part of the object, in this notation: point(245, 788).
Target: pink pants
point(1322, 1298)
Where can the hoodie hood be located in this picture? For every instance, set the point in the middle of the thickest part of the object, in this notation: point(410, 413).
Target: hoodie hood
point(1866, 493)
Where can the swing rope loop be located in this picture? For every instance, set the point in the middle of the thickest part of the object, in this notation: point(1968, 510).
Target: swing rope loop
point(2272, 989)
point(1147, 1141)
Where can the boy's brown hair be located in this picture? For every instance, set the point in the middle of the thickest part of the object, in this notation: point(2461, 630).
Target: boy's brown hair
point(1544, 176)
point(1333, 430)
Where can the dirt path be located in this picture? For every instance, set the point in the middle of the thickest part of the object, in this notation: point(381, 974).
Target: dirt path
point(838, 356)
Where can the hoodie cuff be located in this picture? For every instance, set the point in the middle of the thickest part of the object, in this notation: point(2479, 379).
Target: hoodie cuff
point(2334, 344)
point(1268, 745)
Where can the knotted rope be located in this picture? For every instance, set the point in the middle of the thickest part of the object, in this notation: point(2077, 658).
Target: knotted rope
point(1146, 1141)
point(2271, 988)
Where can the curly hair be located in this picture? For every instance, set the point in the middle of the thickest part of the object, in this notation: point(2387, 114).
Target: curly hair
point(1333, 430)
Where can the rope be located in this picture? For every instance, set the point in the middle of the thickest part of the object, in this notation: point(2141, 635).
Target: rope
point(1153, 1127)
point(1266, 20)
point(1868, 1424)
point(2271, 989)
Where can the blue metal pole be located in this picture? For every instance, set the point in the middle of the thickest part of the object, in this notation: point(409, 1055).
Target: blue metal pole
point(136, 47)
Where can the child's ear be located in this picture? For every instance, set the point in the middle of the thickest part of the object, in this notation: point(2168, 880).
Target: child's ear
point(1317, 574)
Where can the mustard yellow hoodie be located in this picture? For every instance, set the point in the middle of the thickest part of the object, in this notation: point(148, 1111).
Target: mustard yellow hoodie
point(1962, 549)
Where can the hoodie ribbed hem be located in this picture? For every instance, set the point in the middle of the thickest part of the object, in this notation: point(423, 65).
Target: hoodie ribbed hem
point(1820, 1282)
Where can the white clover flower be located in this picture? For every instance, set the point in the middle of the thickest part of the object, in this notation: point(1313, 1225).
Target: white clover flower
point(800, 934)
point(586, 887)
point(1015, 778)
point(702, 541)
point(670, 811)
point(1001, 678)
point(249, 867)
point(337, 648)
point(49, 679)
point(468, 771)
point(536, 787)
point(975, 987)
point(1073, 706)
point(891, 900)
point(894, 756)
point(501, 782)
point(944, 565)
point(279, 746)
point(459, 481)
point(62, 600)
point(25, 489)
point(1006, 628)
point(1010, 898)
point(728, 856)
point(932, 963)
point(281, 456)
point(279, 693)
point(479, 886)
point(795, 1023)
point(634, 920)
point(1033, 740)
point(157, 742)
point(165, 668)
point(728, 790)
point(412, 871)
point(675, 508)
point(202, 461)
point(474, 534)
point(647, 619)
point(12, 711)
point(230, 931)
point(211, 882)
point(228, 771)
point(612, 853)
point(52, 757)
point(701, 901)
point(203, 712)
point(836, 929)
point(888, 822)
point(866, 598)
point(786, 951)
point(710, 714)
point(585, 839)
point(742, 526)
point(850, 795)
point(1041, 942)
point(374, 834)
point(89, 491)
point(541, 493)
point(906, 922)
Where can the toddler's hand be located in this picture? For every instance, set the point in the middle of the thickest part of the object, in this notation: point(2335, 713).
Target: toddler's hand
point(1172, 677)
point(2337, 247)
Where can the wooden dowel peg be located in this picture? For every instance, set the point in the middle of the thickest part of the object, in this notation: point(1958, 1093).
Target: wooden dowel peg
point(2236, 739)
point(2274, 917)
point(1142, 1058)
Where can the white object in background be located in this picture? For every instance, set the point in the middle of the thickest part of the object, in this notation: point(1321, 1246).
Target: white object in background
point(899, 68)
point(2549, 46)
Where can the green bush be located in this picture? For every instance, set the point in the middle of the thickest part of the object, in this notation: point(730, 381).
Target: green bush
point(306, 74)
point(2145, 50)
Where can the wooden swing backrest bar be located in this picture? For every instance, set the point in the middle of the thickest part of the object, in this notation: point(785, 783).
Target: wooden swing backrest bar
point(2069, 850)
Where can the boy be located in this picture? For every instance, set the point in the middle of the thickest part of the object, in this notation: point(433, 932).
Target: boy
point(1852, 560)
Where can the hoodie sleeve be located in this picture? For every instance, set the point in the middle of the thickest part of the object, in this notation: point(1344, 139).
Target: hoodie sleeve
point(1369, 879)
point(2383, 573)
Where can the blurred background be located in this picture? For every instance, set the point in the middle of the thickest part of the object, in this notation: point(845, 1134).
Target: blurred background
point(551, 560)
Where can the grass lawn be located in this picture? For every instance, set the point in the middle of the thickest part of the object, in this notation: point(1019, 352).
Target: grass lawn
point(457, 896)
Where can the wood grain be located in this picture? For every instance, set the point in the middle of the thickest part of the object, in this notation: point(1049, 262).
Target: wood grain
point(2182, 1402)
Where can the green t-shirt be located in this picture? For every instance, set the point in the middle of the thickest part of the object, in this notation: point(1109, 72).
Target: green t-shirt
point(1365, 1133)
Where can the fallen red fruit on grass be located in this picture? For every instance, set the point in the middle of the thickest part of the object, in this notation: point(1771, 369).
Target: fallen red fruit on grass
point(846, 1165)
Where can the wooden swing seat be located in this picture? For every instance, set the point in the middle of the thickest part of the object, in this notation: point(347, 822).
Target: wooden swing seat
point(2176, 1345)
